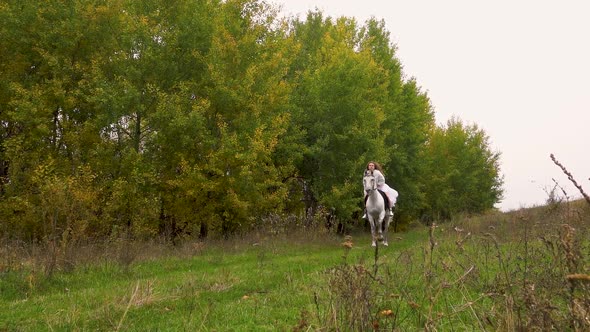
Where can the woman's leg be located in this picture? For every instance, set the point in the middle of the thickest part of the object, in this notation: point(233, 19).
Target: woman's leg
point(391, 198)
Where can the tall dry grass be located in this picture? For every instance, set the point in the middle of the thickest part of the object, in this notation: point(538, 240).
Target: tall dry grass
point(526, 270)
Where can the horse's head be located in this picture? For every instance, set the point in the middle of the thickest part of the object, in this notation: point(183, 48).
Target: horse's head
point(369, 183)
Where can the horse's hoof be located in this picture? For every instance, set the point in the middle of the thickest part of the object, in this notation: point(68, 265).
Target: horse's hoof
point(385, 243)
point(373, 244)
point(380, 237)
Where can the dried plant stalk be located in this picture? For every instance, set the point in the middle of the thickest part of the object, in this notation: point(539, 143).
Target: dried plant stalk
point(570, 177)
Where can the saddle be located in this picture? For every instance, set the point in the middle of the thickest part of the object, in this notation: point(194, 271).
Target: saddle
point(385, 199)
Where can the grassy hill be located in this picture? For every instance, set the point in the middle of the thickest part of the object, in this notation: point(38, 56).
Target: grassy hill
point(526, 269)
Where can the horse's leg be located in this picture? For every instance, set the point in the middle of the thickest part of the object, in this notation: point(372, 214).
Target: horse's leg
point(385, 229)
point(379, 226)
point(373, 231)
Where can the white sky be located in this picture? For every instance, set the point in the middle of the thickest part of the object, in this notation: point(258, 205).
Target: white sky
point(519, 69)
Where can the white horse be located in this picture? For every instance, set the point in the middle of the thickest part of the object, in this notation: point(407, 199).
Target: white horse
point(376, 214)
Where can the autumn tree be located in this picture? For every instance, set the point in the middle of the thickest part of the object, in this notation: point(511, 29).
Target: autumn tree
point(196, 117)
point(53, 51)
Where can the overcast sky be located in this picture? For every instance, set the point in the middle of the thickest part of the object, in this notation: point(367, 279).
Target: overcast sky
point(519, 69)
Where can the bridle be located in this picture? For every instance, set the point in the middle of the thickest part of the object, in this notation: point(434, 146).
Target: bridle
point(373, 183)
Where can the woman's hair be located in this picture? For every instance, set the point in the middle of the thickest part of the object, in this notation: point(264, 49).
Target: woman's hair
point(377, 166)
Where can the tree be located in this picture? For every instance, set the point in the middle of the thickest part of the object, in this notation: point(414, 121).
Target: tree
point(338, 102)
point(408, 120)
point(184, 117)
point(463, 171)
point(46, 111)
point(244, 99)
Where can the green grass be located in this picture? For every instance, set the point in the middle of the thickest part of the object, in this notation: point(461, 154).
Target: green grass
point(498, 272)
point(239, 287)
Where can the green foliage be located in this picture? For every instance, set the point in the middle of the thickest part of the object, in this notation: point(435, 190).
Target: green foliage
point(174, 118)
point(56, 205)
point(463, 171)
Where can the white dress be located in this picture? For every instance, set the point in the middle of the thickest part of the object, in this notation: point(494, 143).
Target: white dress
point(381, 185)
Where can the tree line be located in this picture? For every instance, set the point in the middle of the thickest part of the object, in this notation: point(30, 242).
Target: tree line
point(202, 116)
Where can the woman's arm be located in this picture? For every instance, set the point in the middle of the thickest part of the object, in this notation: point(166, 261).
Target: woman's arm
point(379, 177)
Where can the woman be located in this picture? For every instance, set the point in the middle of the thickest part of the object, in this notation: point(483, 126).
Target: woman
point(375, 168)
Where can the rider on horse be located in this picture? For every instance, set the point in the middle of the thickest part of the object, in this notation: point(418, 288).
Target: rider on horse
point(390, 193)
